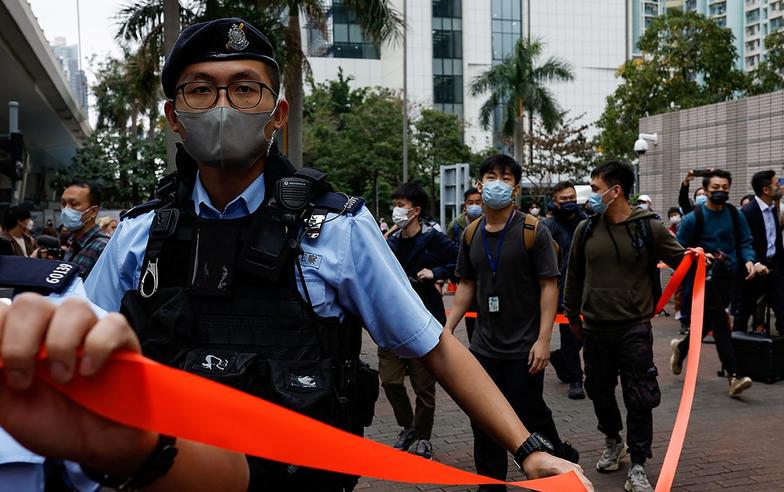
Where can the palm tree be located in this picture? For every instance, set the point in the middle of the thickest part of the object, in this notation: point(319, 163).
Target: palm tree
point(518, 86)
point(142, 22)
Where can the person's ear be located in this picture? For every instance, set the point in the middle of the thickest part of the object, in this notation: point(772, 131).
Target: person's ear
point(172, 120)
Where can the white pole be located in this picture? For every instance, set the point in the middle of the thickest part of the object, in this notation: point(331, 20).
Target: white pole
point(405, 92)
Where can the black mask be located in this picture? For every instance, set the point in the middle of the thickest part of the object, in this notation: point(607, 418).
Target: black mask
point(719, 197)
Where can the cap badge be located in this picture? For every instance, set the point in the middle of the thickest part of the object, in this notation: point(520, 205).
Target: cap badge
point(237, 39)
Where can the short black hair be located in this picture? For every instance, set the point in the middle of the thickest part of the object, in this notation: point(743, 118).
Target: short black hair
point(716, 173)
point(501, 163)
point(13, 215)
point(616, 173)
point(413, 193)
point(760, 180)
point(746, 197)
point(94, 189)
point(563, 185)
point(674, 210)
point(470, 191)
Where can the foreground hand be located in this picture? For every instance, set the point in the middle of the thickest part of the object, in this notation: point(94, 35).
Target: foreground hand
point(541, 464)
point(41, 418)
point(538, 356)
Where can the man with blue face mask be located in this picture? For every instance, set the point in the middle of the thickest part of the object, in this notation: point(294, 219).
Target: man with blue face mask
point(516, 288)
point(566, 216)
point(472, 210)
point(610, 282)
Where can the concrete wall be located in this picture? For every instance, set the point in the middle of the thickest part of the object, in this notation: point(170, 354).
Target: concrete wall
point(742, 137)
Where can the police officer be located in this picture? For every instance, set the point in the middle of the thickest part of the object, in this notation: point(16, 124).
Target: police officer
point(245, 272)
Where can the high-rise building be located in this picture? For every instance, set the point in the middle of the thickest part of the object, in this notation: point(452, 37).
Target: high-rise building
point(451, 42)
point(68, 56)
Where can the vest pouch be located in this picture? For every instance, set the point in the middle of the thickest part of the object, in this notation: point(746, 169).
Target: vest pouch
point(159, 321)
point(366, 394)
point(305, 386)
point(232, 368)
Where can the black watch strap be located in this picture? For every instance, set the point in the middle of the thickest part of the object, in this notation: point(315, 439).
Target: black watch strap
point(535, 442)
point(154, 467)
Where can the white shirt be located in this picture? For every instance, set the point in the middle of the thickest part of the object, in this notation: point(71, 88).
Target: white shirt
point(21, 242)
point(769, 217)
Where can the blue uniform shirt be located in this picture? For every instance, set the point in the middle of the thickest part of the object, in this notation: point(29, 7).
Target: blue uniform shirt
point(348, 268)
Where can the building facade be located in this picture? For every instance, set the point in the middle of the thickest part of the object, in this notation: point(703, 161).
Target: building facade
point(451, 42)
point(68, 56)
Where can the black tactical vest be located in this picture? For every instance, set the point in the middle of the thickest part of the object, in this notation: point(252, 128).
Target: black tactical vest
point(219, 298)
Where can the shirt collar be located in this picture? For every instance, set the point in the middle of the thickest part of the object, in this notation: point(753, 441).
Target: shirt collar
point(246, 203)
point(762, 205)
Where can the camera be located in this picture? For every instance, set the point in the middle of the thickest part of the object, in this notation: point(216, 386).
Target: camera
point(640, 146)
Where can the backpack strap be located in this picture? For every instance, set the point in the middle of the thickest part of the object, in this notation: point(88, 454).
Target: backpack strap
point(699, 224)
point(529, 231)
point(470, 230)
point(736, 231)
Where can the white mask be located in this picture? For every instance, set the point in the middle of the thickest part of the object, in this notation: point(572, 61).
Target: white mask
point(400, 216)
point(534, 211)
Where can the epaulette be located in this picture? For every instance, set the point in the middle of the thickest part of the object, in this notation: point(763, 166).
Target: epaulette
point(142, 209)
point(22, 274)
point(339, 203)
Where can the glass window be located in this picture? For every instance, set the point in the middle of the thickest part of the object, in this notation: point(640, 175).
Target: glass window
point(340, 32)
point(507, 8)
point(497, 10)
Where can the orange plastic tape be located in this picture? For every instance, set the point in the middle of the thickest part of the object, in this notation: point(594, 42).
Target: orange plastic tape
point(138, 392)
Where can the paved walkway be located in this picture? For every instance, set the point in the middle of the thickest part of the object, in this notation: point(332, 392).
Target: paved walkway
point(731, 444)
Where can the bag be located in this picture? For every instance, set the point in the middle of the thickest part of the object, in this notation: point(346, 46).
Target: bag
point(759, 357)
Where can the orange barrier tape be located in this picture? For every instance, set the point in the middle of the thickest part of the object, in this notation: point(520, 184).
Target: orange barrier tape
point(140, 393)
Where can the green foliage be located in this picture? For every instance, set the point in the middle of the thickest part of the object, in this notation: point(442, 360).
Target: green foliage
point(688, 61)
point(767, 77)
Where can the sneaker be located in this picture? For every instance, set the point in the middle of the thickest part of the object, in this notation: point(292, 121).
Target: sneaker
point(423, 449)
point(576, 391)
point(684, 330)
point(675, 358)
point(637, 480)
point(738, 385)
point(569, 453)
point(614, 450)
point(405, 438)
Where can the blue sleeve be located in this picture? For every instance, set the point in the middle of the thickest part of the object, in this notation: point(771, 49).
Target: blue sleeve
point(746, 242)
point(686, 229)
point(373, 286)
point(446, 249)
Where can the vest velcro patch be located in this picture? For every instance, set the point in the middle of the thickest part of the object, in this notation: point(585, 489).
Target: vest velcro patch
point(33, 274)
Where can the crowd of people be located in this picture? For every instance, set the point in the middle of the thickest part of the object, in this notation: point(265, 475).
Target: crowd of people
point(261, 277)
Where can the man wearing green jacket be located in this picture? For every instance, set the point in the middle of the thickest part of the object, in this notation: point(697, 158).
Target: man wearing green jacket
point(611, 281)
point(472, 209)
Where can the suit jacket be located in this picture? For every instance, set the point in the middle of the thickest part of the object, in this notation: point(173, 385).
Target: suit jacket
point(759, 237)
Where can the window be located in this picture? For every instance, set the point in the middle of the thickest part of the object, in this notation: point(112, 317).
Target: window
point(448, 56)
point(348, 40)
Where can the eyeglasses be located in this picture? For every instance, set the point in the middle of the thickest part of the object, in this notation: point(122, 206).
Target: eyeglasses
point(242, 94)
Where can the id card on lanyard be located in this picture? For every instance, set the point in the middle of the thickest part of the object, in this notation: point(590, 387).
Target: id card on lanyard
point(493, 299)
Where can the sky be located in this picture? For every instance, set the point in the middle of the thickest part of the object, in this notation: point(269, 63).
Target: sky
point(58, 18)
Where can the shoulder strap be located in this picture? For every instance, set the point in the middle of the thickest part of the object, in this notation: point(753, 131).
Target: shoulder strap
point(529, 231)
point(699, 224)
point(736, 231)
point(142, 209)
point(470, 230)
point(338, 202)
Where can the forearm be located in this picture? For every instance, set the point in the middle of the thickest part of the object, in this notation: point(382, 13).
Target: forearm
point(548, 308)
point(461, 375)
point(466, 291)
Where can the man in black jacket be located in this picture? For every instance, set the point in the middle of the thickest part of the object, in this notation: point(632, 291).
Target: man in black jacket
point(566, 216)
point(426, 255)
point(763, 218)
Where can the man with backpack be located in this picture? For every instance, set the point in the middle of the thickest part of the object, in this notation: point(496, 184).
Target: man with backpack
point(508, 264)
point(611, 281)
point(722, 231)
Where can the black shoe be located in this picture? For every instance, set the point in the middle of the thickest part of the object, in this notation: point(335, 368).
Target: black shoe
point(556, 360)
point(569, 453)
point(576, 391)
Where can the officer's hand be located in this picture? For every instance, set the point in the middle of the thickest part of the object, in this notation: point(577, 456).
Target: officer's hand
point(425, 275)
point(541, 464)
point(538, 356)
point(749, 270)
point(41, 418)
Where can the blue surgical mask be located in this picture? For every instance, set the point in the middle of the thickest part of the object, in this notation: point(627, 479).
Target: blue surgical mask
point(596, 202)
point(496, 194)
point(72, 219)
point(474, 211)
point(701, 200)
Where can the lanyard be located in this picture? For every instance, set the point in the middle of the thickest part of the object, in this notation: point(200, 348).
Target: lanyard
point(494, 261)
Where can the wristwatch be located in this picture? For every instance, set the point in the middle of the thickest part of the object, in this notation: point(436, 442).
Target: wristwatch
point(535, 442)
point(154, 467)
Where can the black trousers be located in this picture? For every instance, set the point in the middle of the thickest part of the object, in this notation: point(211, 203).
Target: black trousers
point(717, 297)
point(772, 287)
point(627, 352)
point(570, 354)
point(524, 393)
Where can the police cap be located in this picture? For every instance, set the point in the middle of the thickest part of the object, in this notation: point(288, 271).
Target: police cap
point(221, 39)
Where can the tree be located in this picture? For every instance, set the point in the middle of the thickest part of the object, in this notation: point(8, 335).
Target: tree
point(438, 140)
point(767, 77)
point(518, 87)
point(688, 60)
point(563, 153)
point(142, 22)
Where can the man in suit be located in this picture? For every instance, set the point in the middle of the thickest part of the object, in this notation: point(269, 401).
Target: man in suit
point(763, 218)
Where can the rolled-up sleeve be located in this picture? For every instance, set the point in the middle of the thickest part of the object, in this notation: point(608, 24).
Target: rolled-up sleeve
point(374, 287)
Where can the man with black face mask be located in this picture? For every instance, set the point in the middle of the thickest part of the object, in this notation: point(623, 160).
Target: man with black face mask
point(566, 216)
point(722, 231)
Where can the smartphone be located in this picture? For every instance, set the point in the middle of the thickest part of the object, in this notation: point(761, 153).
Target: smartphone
point(701, 173)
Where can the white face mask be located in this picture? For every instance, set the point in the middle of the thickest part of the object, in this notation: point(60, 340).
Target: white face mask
point(644, 206)
point(675, 219)
point(30, 225)
point(534, 211)
point(400, 216)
